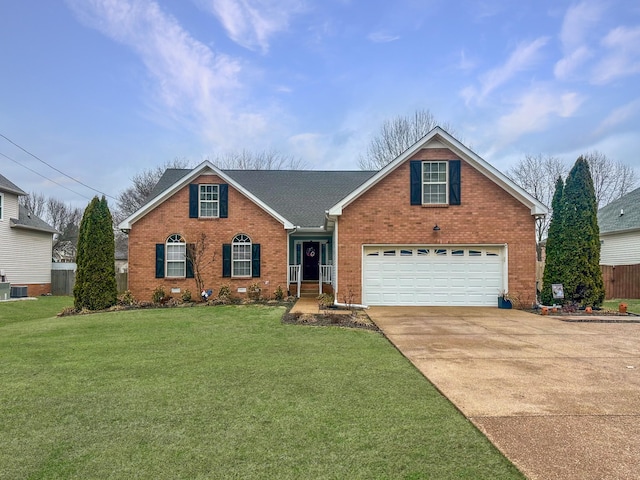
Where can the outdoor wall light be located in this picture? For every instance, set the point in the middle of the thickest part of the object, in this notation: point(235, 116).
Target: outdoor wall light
point(436, 228)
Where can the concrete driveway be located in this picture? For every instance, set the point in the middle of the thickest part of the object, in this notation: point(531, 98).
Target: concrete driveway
point(560, 399)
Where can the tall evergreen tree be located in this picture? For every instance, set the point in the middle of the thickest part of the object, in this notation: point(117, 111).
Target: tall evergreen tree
point(553, 266)
point(581, 238)
point(95, 287)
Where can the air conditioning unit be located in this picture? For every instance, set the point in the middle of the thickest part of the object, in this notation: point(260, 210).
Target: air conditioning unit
point(18, 292)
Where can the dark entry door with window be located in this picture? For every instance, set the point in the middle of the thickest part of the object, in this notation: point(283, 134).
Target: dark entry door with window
point(310, 260)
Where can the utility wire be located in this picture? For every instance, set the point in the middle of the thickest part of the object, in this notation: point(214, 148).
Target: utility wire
point(54, 168)
point(38, 173)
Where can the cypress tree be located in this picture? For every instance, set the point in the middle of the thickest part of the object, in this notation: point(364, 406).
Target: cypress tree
point(554, 265)
point(95, 287)
point(581, 238)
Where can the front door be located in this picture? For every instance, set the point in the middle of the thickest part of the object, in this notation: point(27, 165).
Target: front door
point(310, 261)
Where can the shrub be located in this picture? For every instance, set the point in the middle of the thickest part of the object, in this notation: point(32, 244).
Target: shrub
point(158, 294)
point(279, 293)
point(225, 292)
point(254, 291)
point(127, 298)
point(186, 295)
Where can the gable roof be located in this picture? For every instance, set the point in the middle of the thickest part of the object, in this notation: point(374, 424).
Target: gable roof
point(621, 215)
point(7, 186)
point(438, 135)
point(300, 196)
point(296, 198)
point(30, 221)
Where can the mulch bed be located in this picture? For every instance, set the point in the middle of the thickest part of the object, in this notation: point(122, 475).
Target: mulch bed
point(357, 319)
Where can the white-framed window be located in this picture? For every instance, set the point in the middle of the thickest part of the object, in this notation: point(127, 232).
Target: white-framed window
point(176, 261)
point(241, 256)
point(209, 200)
point(434, 183)
point(1, 206)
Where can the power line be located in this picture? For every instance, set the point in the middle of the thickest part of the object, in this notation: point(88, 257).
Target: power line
point(52, 167)
point(38, 173)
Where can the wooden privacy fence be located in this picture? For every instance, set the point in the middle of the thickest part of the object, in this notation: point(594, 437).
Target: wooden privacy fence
point(621, 281)
point(62, 282)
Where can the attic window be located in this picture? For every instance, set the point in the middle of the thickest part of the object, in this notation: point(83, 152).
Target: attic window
point(434, 183)
point(209, 201)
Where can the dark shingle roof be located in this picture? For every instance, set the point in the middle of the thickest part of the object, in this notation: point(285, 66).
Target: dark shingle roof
point(30, 221)
point(300, 196)
point(610, 220)
point(7, 186)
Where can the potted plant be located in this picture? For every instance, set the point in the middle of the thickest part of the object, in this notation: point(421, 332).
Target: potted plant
point(504, 301)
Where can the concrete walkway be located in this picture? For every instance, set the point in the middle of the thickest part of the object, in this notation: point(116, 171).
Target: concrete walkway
point(561, 400)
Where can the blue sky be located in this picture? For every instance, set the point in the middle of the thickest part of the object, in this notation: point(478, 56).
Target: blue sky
point(103, 89)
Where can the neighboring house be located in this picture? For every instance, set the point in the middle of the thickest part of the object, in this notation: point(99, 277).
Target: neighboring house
point(437, 226)
point(25, 256)
point(619, 224)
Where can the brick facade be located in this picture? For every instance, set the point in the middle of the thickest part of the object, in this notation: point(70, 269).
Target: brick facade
point(487, 215)
point(172, 216)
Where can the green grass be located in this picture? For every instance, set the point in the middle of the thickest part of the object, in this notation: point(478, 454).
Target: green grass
point(220, 392)
point(633, 304)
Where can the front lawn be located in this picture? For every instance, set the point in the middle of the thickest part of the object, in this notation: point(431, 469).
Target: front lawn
point(633, 304)
point(220, 392)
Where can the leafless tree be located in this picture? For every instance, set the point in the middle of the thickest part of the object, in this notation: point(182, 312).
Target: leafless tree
point(537, 174)
point(611, 179)
point(133, 197)
point(397, 135)
point(265, 160)
point(35, 203)
point(197, 254)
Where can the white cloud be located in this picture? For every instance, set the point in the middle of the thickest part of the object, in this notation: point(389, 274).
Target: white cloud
point(382, 37)
point(521, 59)
point(534, 111)
point(251, 23)
point(578, 24)
point(622, 57)
point(193, 85)
point(619, 116)
point(570, 63)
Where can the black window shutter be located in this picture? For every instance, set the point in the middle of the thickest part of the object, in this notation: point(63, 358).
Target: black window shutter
point(194, 192)
point(159, 260)
point(226, 260)
point(224, 202)
point(255, 260)
point(191, 257)
point(416, 182)
point(454, 182)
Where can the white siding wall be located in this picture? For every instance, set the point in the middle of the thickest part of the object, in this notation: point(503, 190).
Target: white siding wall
point(25, 255)
point(620, 248)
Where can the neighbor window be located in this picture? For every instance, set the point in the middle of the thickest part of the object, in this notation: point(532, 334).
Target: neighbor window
point(434, 182)
point(176, 256)
point(1, 206)
point(209, 201)
point(241, 256)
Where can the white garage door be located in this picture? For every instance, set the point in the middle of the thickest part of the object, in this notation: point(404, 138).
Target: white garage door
point(433, 275)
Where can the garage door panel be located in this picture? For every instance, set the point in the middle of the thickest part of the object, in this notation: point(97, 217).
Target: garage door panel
point(418, 275)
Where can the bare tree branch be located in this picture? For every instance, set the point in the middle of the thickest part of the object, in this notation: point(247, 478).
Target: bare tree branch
point(537, 174)
point(35, 203)
point(396, 136)
point(611, 179)
point(265, 160)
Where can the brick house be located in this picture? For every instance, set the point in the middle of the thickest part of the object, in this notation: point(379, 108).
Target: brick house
point(436, 226)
